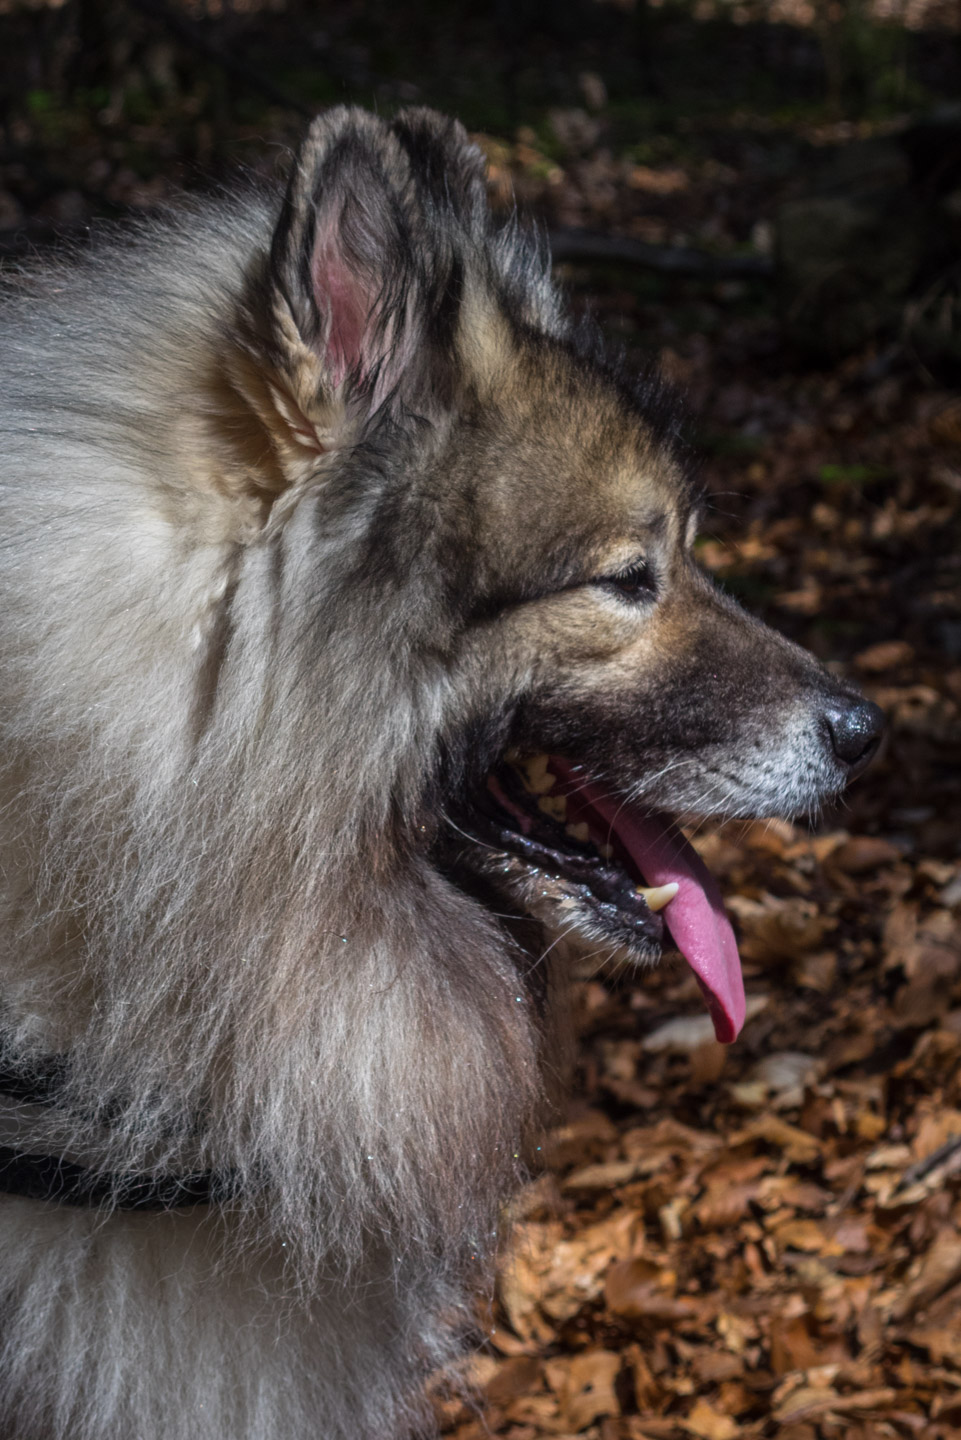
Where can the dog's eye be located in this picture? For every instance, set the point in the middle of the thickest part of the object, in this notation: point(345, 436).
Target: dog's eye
point(637, 582)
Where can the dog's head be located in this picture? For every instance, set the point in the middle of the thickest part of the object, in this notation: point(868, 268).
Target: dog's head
point(517, 530)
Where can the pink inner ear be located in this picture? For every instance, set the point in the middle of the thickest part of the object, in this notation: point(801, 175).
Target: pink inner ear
point(343, 297)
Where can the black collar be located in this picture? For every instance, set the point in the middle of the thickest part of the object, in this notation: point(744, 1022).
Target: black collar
point(48, 1177)
point(53, 1178)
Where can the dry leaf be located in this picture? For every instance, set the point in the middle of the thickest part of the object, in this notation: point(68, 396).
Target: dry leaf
point(806, 1235)
point(647, 1389)
point(521, 1277)
point(684, 1034)
point(778, 929)
point(791, 1345)
point(605, 1176)
point(806, 1401)
point(713, 1366)
point(940, 1267)
point(886, 655)
point(864, 852)
point(784, 1075)
point(584, 1386)
point(726, 1204)
point(570, 1273)
point(512, 1378)
point(796, 1144)
point(710, 1424)
point(634, 1290)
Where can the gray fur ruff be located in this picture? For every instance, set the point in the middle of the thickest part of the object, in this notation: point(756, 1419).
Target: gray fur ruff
point(219, 739)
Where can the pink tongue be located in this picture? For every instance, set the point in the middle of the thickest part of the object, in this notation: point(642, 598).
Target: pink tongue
point(695, 917)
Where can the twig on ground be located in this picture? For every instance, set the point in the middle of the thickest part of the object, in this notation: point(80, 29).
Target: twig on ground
point(593, 247)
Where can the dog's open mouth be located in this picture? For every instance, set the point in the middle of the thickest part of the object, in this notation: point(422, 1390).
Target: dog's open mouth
point(590, 863)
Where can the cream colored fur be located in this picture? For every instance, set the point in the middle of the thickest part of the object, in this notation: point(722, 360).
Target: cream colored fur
point(207, 903)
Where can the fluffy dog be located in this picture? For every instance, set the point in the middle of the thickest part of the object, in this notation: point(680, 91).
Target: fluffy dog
point(352, 651)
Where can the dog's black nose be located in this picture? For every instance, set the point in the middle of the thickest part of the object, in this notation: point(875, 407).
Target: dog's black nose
point(855, 726)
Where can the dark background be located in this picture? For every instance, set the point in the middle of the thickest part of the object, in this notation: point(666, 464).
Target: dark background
point(765, 200)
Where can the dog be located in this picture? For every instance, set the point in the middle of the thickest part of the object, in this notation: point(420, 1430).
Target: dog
point(353, 658)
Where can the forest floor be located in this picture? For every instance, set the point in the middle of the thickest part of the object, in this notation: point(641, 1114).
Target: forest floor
point(762, 1239)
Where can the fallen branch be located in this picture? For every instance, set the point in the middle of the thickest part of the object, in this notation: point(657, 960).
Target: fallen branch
point(592, 247)
point(934, 1168)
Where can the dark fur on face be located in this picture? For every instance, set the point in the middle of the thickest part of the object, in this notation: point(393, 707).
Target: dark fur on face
point(321, 520)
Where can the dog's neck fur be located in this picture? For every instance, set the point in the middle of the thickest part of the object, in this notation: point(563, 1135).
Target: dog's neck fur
point(279, 1005)
point(218, 905)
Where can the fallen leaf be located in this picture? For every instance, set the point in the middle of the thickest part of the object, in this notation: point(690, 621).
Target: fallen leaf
point(807, 1401)
point(567, 1274)
point(784, 1074)
point(604, 1176)
point(687, 1033)
point(806, 1235)
point(584, 1386)
point(796, 1144)
point(775, 928)
point(791, 1345)
point(885, 655)
point(633, 1290)
point(647, 1388)
point(512, 1378)
point(684, 1034)
point(522, 1277)
point(863, 853)
point(709, 1424)
point(940, 1267)
point(713, 1366)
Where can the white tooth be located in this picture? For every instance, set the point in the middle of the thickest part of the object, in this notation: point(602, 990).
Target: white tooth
point(578, 832)
point(536, 775)
point(553, 805)
point(658, 895)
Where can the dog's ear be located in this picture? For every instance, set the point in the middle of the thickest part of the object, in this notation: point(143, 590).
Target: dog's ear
point(355, 309)
point(345, 274)
point(448, 167)
point(363, 303)
point(334, 317)
point(450, 174)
